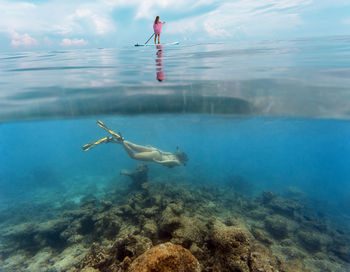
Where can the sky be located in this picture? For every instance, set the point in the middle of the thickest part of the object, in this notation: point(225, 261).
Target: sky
point(57, 24)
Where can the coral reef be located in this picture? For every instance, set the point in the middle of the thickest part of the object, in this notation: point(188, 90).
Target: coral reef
point(310, 241)
point(230, 246)
point(116, 257)
point(165, 257)
point(138, 177)
point(155, 226)
point(277, 227)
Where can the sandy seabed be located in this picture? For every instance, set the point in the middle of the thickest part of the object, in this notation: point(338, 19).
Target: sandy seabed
point(165, 226)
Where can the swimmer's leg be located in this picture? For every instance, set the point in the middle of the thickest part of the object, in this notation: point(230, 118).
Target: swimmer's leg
point(139, 148)
point(142, 156)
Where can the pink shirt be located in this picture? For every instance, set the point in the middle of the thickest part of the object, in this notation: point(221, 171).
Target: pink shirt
point(157, 28)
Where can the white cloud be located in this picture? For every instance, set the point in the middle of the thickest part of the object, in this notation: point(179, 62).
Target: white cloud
point(58, 17)
point(149, 9)
point(88, 19)
point(74, 42)
point(25, 40)
point(248, 17)
point(346, 21)
point(214, 18)
point(89, 16)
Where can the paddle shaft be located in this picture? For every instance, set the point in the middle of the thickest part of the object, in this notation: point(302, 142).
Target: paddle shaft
point(149, 38)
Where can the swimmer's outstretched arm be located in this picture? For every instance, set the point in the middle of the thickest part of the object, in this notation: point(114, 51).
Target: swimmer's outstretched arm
point(169, 163)
point(166, 153)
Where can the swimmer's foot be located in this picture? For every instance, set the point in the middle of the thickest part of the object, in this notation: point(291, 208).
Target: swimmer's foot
point(91, 145)
point(114, 139)
point(116, 136)
point(121, 138)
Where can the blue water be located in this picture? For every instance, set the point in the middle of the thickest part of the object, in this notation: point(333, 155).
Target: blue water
point(272, 154)
point(275, 113)
point(301, 78)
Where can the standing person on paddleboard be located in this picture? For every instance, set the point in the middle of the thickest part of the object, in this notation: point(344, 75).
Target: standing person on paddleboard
point(157, 27)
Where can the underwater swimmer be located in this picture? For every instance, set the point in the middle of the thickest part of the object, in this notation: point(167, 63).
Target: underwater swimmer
point(139, 152)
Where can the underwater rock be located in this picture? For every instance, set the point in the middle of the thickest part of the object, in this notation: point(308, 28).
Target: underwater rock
point(130, 246)
point(139, 204)
point(340, 246)
point(106, 205)
point(31, 237)
point(96, 258)
point(107, 226)
point(261, 260)
point(81, 226)
point(191, 230)
point(170, 221)
point(277, 227)
point(258, 214)
point(48, 233)
point(88, 269)
point(88, 201)
point(90, 224)
point(137, 177)
point(309, 222)
point(343, 252)
point(309, 240)
point(285, 207)
point(290, 251)
point(259, 235)
point(150, 229)
point(266, 197)
point(150, 211)
point(165, 257)
point(125, 211)
point(279, 205)
point(65, 260)
point(231, 247)
point(199, 252)
point(119, 255)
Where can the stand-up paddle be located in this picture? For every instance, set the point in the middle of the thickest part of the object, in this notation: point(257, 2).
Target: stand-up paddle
point(149, 38)
point(145, 42)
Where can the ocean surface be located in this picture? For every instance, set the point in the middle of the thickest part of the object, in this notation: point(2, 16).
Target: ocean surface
point(272, 114)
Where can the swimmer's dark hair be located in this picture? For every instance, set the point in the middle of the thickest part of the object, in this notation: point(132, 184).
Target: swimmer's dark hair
point(182, 157)
point(156, 20)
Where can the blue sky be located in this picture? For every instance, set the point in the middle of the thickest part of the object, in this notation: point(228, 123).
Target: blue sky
point(55, 24)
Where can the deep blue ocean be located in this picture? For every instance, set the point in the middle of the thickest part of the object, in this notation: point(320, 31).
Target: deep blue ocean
point(274, 113)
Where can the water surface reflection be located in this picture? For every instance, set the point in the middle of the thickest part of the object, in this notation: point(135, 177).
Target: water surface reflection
point(159, 63)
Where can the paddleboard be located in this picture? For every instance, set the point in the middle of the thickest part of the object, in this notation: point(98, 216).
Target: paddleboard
point(152, 44)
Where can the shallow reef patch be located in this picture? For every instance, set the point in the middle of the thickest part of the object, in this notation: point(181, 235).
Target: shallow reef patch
point(213, 229)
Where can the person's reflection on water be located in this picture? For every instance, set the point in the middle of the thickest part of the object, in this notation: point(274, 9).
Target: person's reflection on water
point(159, 63)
